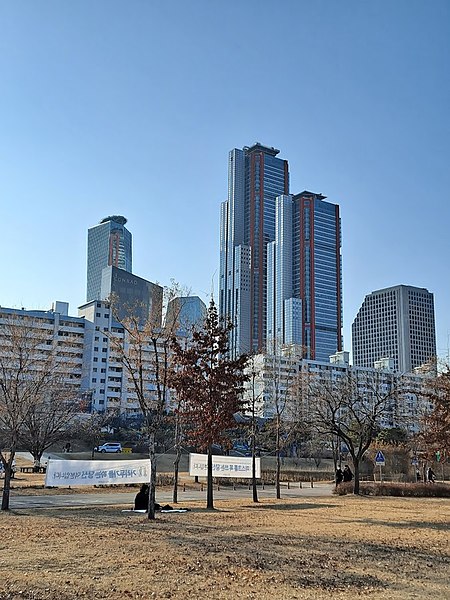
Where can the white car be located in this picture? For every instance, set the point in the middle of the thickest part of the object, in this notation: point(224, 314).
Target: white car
point(110, 447)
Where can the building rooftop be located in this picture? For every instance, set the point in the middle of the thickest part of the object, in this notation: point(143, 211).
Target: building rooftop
point(260, 147)
point(116, 218)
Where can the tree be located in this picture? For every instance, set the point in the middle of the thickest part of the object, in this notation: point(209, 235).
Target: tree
point(32, 375)
point(281, 367)
point(52, 418)
point(144, 350)
point(435, 433)
point(253, 399)
point(350, 406)
point(210, 384)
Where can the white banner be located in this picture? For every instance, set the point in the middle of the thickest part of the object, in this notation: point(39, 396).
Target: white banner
point(96, 472)
point(223, 466)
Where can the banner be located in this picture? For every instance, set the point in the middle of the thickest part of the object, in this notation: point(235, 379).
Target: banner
point(96, 472)
point(223, 466)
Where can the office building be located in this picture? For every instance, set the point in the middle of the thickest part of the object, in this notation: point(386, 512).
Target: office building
point(131, 295)
point(395, 323)
point(304, 280)
point(256, 176)
point(184, 313)
point(109, 244)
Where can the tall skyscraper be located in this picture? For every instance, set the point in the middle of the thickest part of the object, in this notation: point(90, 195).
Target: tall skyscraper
point(109, 244)
point(280, 259)
point(397, 323)
point(304, 282)
point(256, 176)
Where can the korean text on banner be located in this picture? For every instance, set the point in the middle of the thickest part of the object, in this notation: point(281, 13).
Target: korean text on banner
point(95, 472)
point(223, 466)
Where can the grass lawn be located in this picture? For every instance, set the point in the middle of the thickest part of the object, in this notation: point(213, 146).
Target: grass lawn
point(336, 547)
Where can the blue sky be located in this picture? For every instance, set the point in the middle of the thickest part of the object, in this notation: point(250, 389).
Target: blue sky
point(114, 107)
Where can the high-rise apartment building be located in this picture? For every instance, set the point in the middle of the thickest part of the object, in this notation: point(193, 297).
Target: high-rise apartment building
point(304, 281)
point(109, 244)
point(397, 323)
point(256, 176)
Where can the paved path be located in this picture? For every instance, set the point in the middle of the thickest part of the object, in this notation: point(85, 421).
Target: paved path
point(126, 498)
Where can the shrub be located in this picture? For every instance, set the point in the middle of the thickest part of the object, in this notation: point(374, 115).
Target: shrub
point(419, 490)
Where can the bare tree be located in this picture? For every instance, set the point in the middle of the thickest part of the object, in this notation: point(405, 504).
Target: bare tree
point(31, 376)
point(254, 394)
point(145, 353)
point(435, 430)
point(52, 418)
point(350, 407)
point(281, 366)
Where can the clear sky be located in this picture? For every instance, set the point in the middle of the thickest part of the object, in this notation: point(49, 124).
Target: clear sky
point(130, 107)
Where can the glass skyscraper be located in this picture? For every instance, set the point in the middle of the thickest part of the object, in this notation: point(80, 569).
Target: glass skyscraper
point(109, 244)
point(304, 292)
point(256, 176)
point(280, 260)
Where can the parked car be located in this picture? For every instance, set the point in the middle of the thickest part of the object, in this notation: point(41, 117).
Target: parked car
point(109, 447)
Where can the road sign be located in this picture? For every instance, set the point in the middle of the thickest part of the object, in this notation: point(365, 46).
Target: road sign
point(379, 459)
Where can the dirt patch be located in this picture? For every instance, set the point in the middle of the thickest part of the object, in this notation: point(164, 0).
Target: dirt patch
point(316, 548)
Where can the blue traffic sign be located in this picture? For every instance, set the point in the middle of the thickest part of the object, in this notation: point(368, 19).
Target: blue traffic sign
point(379, 458)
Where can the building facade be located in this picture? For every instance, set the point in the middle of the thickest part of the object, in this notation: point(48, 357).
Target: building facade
point(132, 295)
point(304, 276)
point(283, 377)
point(109, 244)
point(396, 323)
point(184, 313)
point(256, 176)
point(57, 341)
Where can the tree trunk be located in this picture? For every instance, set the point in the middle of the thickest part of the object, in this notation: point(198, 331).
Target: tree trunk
point(254, 488)
point(176, 464)
point(209, 490)
point(152, 484)
point(7, 481)
point(356, 465)
point(278, 465)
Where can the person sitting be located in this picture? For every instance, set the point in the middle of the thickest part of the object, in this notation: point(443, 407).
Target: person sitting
point(141, 499)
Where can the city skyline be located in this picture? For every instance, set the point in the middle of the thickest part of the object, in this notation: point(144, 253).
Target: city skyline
point(132, 123)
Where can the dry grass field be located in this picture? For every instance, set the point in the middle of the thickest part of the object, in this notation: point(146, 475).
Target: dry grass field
point(335, 547)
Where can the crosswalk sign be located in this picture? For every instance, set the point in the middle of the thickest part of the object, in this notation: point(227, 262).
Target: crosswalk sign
point(379, 459)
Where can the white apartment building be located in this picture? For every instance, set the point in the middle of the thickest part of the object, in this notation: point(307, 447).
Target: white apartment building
point(278, 378)
point(55, 333)
point(104, 375)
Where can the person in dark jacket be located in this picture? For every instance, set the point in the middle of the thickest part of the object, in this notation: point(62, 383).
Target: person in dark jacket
point(348, 475)
point(141, 499)
point(339, 476)
point(431, 476)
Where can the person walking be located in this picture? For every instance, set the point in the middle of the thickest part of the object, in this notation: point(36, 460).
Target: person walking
point(431, 475)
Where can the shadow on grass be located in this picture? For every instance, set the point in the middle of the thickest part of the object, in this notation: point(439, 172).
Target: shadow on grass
point(291, 506)
point(408, 524)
